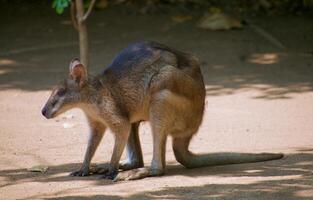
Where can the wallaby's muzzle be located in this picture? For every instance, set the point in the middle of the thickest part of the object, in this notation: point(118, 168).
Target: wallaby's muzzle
point(45, 112)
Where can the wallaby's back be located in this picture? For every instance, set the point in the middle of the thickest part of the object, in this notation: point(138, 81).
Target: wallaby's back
point(144, 68)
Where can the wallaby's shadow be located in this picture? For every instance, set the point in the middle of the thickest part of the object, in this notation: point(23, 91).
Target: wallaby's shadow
point(15, 175)
point(288, 178)
point(294, 164)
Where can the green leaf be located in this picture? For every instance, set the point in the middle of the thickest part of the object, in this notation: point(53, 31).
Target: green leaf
point(60, 5)
point(59, 10)
point(54, 3)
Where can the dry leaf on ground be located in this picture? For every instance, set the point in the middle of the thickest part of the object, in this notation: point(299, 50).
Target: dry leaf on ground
point(38, 168)
point(181, 18)
point(219, 21)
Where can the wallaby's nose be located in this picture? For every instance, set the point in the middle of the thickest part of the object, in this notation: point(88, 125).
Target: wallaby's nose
point(44, 111)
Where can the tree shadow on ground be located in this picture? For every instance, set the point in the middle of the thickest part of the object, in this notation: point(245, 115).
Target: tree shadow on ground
point(287, 178)
point(271, 75)
point(233, 61)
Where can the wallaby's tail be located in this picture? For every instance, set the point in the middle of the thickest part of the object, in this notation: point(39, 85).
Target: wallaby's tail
point(213, 159)
point(191, 160)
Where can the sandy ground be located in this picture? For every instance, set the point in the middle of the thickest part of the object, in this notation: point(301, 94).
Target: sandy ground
point(259, 99)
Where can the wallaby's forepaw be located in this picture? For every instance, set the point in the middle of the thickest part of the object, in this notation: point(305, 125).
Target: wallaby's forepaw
point(81, 172)
point(110, 175)
point(101, 169)
point(104, 168)
point(133, 174)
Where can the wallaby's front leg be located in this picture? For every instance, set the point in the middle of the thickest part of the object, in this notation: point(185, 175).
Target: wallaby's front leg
point(121, 137)
point(134, 158)
point(96, 133)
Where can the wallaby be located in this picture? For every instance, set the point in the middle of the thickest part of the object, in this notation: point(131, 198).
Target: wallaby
point(146, 81)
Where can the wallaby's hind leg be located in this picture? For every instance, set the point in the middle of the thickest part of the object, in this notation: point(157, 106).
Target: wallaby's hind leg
point(160, 125)
point(133, 150)
point(158, 161)
point(159, 143)
point(96, 133)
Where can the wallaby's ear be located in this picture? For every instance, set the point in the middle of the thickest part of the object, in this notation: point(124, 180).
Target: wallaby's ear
point(78, 72)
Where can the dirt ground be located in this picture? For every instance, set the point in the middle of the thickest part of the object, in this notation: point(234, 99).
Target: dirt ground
point(259, 99)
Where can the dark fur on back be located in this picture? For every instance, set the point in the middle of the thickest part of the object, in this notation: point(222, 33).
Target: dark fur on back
point(137, 66)
point(145, 53)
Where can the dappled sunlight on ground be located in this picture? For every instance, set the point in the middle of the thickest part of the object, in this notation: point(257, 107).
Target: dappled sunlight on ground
point(291, 175)
point(6, 62)
point(264, 59)
point(268, 76)
point(258, 100)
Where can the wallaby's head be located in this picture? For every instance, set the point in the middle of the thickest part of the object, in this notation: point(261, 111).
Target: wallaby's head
point(69, 93)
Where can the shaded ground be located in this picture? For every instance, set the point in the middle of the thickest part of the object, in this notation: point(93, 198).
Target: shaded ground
point(259, 98)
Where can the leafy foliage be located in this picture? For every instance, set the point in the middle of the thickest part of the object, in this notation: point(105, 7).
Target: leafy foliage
point(268, 6)
point(60, 5)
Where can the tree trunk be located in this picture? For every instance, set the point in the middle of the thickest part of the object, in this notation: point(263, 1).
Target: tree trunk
point(82, 32)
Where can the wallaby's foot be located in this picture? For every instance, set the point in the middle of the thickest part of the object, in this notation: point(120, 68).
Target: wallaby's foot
point(101, 169)
point(127, 165)
point(104, 169)
point(138, 173)
point(110, 175)
point(81, 172)
point(133, 174)
point(124, 165)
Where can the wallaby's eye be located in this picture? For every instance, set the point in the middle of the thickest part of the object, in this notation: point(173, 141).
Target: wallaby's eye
point(61, 92)
point(54, 102)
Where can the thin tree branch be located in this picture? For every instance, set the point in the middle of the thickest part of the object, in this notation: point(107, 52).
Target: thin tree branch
point(73, 15)
point(86, 15)
point(82, 32)
point(266, 35)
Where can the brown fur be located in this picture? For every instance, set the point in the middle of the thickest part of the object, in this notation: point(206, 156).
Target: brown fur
point(146, 82)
